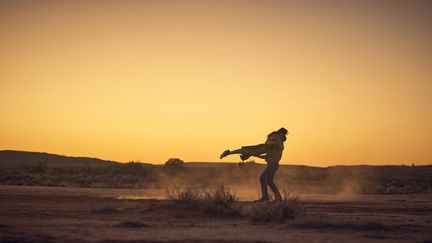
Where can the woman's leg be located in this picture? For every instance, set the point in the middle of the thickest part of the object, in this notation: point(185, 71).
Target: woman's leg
point(247, 151)
point(229, 152)
point(244, 153)
point(237, 151)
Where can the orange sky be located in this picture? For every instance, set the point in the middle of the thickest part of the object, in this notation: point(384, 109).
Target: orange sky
point(150, 80)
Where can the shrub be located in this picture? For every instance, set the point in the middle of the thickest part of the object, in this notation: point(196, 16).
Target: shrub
point(174, 162)
point(188, 196)
point(277, 211)
point(218, 201)
point(247, 163)
point(39, 168)
point(221, 201)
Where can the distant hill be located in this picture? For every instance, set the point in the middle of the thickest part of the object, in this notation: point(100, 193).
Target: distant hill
point(19, 158)
point(15, 158)
point(209, 164)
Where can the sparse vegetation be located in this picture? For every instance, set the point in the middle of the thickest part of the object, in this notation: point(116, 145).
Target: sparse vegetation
point(39, 168)
point(277, 211)
point(247, 163)
point(302, 179)
point(221, 201)
point(218, 201)
point(128, 175)
point(118, 219)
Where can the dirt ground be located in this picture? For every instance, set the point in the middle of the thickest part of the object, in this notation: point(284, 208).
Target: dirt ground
point(44, 214)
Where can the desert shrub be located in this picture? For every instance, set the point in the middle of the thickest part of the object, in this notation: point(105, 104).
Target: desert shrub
point(187, 195)
point(276, 211)
point(39, 167)
point(218, 201)
point(247, 163)
point(174, 162)
point(130, 168)
point(221, 201)
point(220, 195)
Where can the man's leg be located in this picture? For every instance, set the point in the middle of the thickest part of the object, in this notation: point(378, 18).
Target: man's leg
point(272, 185)
point(263, 181)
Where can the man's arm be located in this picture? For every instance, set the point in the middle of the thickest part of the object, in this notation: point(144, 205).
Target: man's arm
point(273, 141)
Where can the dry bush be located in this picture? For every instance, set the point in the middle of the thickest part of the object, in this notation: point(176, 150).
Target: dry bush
point(174, 162)
point(188, 196)
point(221, 201)
point(218, 201)
point(275, 211)
point(39, 168)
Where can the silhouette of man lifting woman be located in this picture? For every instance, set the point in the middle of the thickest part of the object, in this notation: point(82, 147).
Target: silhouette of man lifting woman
point(271, 152)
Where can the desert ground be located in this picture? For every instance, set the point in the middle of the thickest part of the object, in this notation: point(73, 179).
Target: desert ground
point(59, 214)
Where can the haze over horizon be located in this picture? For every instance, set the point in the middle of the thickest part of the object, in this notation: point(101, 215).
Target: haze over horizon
point(128, 80)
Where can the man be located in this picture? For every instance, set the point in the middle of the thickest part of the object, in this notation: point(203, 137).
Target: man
point(271, 152)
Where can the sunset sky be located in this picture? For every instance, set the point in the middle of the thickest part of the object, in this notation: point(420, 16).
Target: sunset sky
point(150, 80)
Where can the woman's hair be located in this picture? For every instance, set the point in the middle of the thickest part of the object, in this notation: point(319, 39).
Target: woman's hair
point(282, 132)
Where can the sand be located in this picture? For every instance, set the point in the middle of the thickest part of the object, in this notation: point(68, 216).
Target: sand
point(41, 214)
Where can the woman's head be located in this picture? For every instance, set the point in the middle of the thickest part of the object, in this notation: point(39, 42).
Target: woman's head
point(282, 133)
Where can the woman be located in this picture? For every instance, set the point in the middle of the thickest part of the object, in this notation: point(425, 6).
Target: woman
point(271, 152)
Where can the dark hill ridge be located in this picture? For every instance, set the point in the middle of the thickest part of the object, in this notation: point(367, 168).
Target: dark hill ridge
point(11, 157)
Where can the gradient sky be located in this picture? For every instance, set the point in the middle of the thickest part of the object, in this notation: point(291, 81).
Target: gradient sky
point(150, 80)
